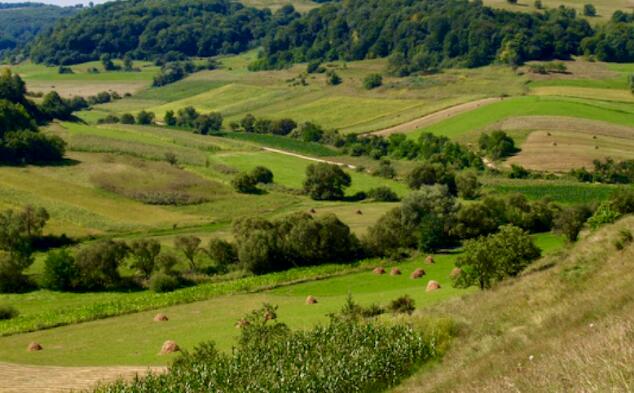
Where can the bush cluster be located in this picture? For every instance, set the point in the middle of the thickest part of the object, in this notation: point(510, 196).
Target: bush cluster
point(296, 240)
point(246, 183)
point(189, 118)
point(608, 171)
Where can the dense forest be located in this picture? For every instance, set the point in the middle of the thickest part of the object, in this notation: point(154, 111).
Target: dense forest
point(146, 29)
point(424, 35)
point(21, 22)
point(416, 35)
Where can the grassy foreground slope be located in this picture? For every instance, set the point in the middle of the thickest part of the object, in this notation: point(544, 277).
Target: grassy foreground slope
point(565, 325)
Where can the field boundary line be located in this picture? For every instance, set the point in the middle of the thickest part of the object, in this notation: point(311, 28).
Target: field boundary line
point(436, 117)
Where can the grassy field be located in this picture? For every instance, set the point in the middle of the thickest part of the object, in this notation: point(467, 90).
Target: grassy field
point(566, 192)
point(488, 116)
point(565, 325)
point(605, 8)
point(40, 78)
point(102, 342)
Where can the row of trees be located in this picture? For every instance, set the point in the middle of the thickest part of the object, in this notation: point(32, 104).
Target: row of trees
point(608, 171)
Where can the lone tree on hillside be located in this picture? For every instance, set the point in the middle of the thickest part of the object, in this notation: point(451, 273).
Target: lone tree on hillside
point(490, 259)
point(326, 182)
point(189, 245)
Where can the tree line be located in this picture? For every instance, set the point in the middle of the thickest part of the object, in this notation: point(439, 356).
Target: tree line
point(415, 35)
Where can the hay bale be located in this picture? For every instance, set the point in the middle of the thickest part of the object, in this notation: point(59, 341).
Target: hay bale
point(418, 273)
point(312, 211)
point(34, 347)
point(455, 272)
point(429, 260)
point(311, 300)
point(169, 346)
point(395, 271)
point(161, 318)
point(378, 270)
point(359, 212)
point(432, 286)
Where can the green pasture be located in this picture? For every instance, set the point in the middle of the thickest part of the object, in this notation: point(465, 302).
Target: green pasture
point(478, 119)
point(135, 339)
point(290, 171)
point(39, 72)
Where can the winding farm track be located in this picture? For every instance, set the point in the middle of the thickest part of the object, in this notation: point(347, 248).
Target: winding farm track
point(436, 117)
point(18, 378)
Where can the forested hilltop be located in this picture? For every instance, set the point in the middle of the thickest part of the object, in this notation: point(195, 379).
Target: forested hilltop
point(20, 22)
point(146, 29)
point(416, 35)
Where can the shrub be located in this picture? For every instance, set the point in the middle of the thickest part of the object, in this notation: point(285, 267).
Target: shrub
point(518, 172)
point(145, 118)
point(605, 214)
point(589, 10)
point(262, 175)
point(188, 245)
point(60, 272)
point(244, 183)
point(144, 253)
point(468, 185)
point(497, 145)
point(98, 264)
point(402, 305)
point(372, 81)
point(569, 221)
point(8, 312)
point(429, 174)
point(161, 282)
point(222, 252)
point(169, 118)
point(383, 194)
point(325, 181)
point(333, 78)
point(127, 118)
point(385, 169)
point(492, 258)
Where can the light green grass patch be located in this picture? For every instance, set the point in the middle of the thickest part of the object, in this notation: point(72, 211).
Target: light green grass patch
point(531, 106)
point(562, 191)
point(290, 171)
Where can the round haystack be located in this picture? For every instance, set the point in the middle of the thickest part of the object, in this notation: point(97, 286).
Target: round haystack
point(161, 318)
point(395, 271)
point(455, 272)
point(169, 346)
point(378, 270)
point(429, 260)
point(311, 300)
point(359, 212)
point(418, 273)
point(432, 286)
point(34, 347)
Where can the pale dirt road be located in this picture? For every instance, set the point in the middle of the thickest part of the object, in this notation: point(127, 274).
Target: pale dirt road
point(436, 117)
point(309, 158)
point(19, 378)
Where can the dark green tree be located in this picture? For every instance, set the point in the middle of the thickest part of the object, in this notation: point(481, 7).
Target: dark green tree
point(326, 182)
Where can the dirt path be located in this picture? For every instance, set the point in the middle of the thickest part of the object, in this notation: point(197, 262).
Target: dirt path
point(18, 378)
point(309, 158)
point(436, 117)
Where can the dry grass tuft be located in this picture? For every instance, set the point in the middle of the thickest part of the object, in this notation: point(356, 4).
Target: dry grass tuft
point(565, 325)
